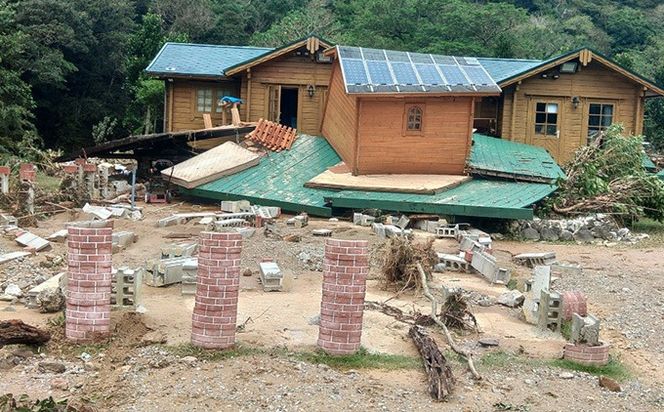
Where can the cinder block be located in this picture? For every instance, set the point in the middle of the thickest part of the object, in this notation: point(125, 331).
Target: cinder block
point(379, 230)
point(166, 271)
point(536, 259)
point(585, 330)
point(447, 231)
point(271, 276)
point(550, 311)
point(179, 249)
point(234, 206)
point(453, 262)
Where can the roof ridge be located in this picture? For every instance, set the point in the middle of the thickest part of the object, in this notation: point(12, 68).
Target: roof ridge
point(227, 46)
point(512, 59)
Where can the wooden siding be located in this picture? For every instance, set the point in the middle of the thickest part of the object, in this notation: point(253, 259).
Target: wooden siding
point(441, 148)
point(340, 122)
point(592, 83)
point(291, 71)
point(183, 112)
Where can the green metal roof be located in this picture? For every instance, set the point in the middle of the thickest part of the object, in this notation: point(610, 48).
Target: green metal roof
point(648, 164)
point(478, 197)
point(279, 178)
point(492, 156)
point(661, 174)
point(200, 60)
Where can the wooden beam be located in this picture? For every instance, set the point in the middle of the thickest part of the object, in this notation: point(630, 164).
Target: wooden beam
point(247, 105)
point(170, 107)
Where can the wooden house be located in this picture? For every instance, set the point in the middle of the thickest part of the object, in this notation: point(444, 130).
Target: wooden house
point(286, 85)
point(562, 103)
point(392, 112)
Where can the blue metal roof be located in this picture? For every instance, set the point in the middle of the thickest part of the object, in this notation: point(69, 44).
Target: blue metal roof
point(204, 60)
point(501, 69)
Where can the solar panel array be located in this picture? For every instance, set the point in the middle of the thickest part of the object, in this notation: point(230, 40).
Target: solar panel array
point(388, 71)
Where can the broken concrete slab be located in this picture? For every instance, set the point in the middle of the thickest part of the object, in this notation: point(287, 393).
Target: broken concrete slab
point(271, 276)
point(235, 206)
point(169, 221)
point(101, 212)
point(51, 283)
point(7, 257)
point(166, 271)
point(32, 241)
point(59, 236)
point(322, 232)
point(122, 239)
point(585, 330)
point(511, 299)
point(178, 249)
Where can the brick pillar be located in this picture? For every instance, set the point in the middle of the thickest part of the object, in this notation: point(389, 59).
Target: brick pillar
point(345, 270)
point(5, 171)
point(574, 302)
point(217, 285)
point(27, 172)
point(88, 315)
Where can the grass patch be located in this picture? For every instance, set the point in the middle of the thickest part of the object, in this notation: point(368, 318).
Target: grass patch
point(614, 369)
point(500, 359)
point(566, 329)
point(187, 349)
point(653, 228)
point(512, 284)
point(361, 360)
point(48, 183)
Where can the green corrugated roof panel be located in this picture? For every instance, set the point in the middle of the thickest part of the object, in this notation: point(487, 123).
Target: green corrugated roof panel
point(648, 164)
point(499, 157)
point(279, 178)
point(204, 60)
point(661, 174)
point(478, 197)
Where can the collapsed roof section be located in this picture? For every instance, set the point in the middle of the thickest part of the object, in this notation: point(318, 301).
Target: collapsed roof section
point(375, 71)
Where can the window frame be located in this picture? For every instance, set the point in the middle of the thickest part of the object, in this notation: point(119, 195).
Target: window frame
point(406, 114)
point(546, 123)
point(212, 101)
point(600, 128)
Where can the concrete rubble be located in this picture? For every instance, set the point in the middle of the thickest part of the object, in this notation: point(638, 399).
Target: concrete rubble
point(8, 257)
point(122, 240)
point(597, 228)
point(166, 271)
point(541, 280)
point(47, 296)
point(179, 249)
point(512, 299)
point(536, 259)
point(585, 330)
point(31, 241)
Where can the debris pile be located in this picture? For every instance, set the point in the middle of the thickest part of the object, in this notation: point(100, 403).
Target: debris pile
point(586, 229)
point(401, 259)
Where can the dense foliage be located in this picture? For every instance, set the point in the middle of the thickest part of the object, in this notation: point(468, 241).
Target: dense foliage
point(609, 177)
point(71, 70)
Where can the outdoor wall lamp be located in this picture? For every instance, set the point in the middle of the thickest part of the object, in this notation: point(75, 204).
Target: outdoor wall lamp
point(310, 90)
point(576, 101)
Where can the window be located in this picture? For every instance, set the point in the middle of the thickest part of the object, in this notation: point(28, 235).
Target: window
point(546, 119)
point(204, 100)
point(414, 119)
point(600, 116)
point(221, 93)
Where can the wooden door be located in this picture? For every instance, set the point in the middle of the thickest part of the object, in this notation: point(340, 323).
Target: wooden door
point(274, 103)
point(545, 124)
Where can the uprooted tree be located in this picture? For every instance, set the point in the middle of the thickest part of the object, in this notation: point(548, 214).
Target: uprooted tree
point(608, 176)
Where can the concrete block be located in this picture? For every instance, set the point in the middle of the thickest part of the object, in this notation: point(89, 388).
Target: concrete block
point(32, 241)
point(178, 249)
point(8, 220)
point(189, 273)
point(58, 237)
point(447, 231)
point(229, 225)
point(487, 266)
point(536, 259)
point(379, 230)
point(271, 276)
point(367, 220)
point(392, 231)
point(585, 330)
point(246, 232)
point(298, 221)
point(453, 262)
point(126, 286)
point(550, 311)
point(101, 212)
point(357, 218)
point(541, 280)
point(322, 232)
point(122, 239)
point(234, 206)
point(403, 222)
point(206, 220)
point(170, 221)
point(166, 271)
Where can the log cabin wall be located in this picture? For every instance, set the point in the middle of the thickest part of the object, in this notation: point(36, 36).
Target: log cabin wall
point(592, 84)
point(182, 107)
point(340, 122)
point(289, 71)
point(385, 145)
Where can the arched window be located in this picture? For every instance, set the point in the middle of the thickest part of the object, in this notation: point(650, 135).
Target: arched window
point(414, 119)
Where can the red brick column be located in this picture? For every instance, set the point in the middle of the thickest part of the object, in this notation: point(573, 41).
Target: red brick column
point(587, 355)
point(345, 270)
point(88, 314)
point(574, 302)
point(27, 172)
point(217, 284)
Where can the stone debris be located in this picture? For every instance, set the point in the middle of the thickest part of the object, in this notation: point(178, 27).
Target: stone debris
point(363, 220)
point(42, 295)
point(453, 262)
point(126, 286)
point(32, 241)
point(610, 384)
point(8, 257)
point(322, 232)
point(536, 259)
point(235, 206)
point(179, 249)
point(13, 290)
point(488, 342)
point(585, 229)
point(122, 239)
point(58, 237)
point(585, 330)
point(511, 299)
point(8, 220)
point(298, 221)
point(166, 271)
point(271, 276)
point(246, 232)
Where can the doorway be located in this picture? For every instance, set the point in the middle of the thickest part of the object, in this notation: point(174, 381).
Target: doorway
point(288, 106)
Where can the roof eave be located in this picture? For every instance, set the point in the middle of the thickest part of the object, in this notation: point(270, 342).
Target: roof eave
point(190, 76)
point(424, 94)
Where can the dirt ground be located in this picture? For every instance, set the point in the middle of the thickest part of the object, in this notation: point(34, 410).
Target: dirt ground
point(624, 285)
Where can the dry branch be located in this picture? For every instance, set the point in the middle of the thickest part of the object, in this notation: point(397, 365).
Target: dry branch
point(439, 373)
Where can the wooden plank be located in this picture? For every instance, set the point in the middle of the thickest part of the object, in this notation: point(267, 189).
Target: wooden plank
point(207, 121)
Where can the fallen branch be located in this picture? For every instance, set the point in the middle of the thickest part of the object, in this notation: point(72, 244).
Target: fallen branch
point(415, 319)
point(439, 372)
point(15, 331)
point(448, 336)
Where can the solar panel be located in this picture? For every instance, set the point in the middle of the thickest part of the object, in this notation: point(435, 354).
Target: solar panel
point(373, 54)
point(379, 72)
point(429, 74)
point(444, 59)
point(420, 58)
point(404, 73)
point(354, 71)
point(397, 56)
point(349, 52)
point(453, 74)
point(477, 75)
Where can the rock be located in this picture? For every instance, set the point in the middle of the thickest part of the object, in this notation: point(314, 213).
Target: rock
point(333, 219)
point(60, 384)
point(549, 234)
point(13, 290)
point(497, 236)
point(85, 357)
point(153, 338)
point(10, 308)
point(566, 235)
point(189, 360)
point(530, 234)
point(8, 363)
point(315, 320)
point(247, 272)
point(583, 235)
point(51, 300)
point(566, 375)
point(609, 384)
point(7, 298)
point(55, 367)
point(512, 299)
point(623, 232)
point(487, 342)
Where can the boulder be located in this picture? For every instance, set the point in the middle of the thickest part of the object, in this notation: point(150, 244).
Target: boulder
point(512, 299)
point(549, 234)
point(530, 234)
point(51, 300)
point(583, 235)
point(566, 235)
